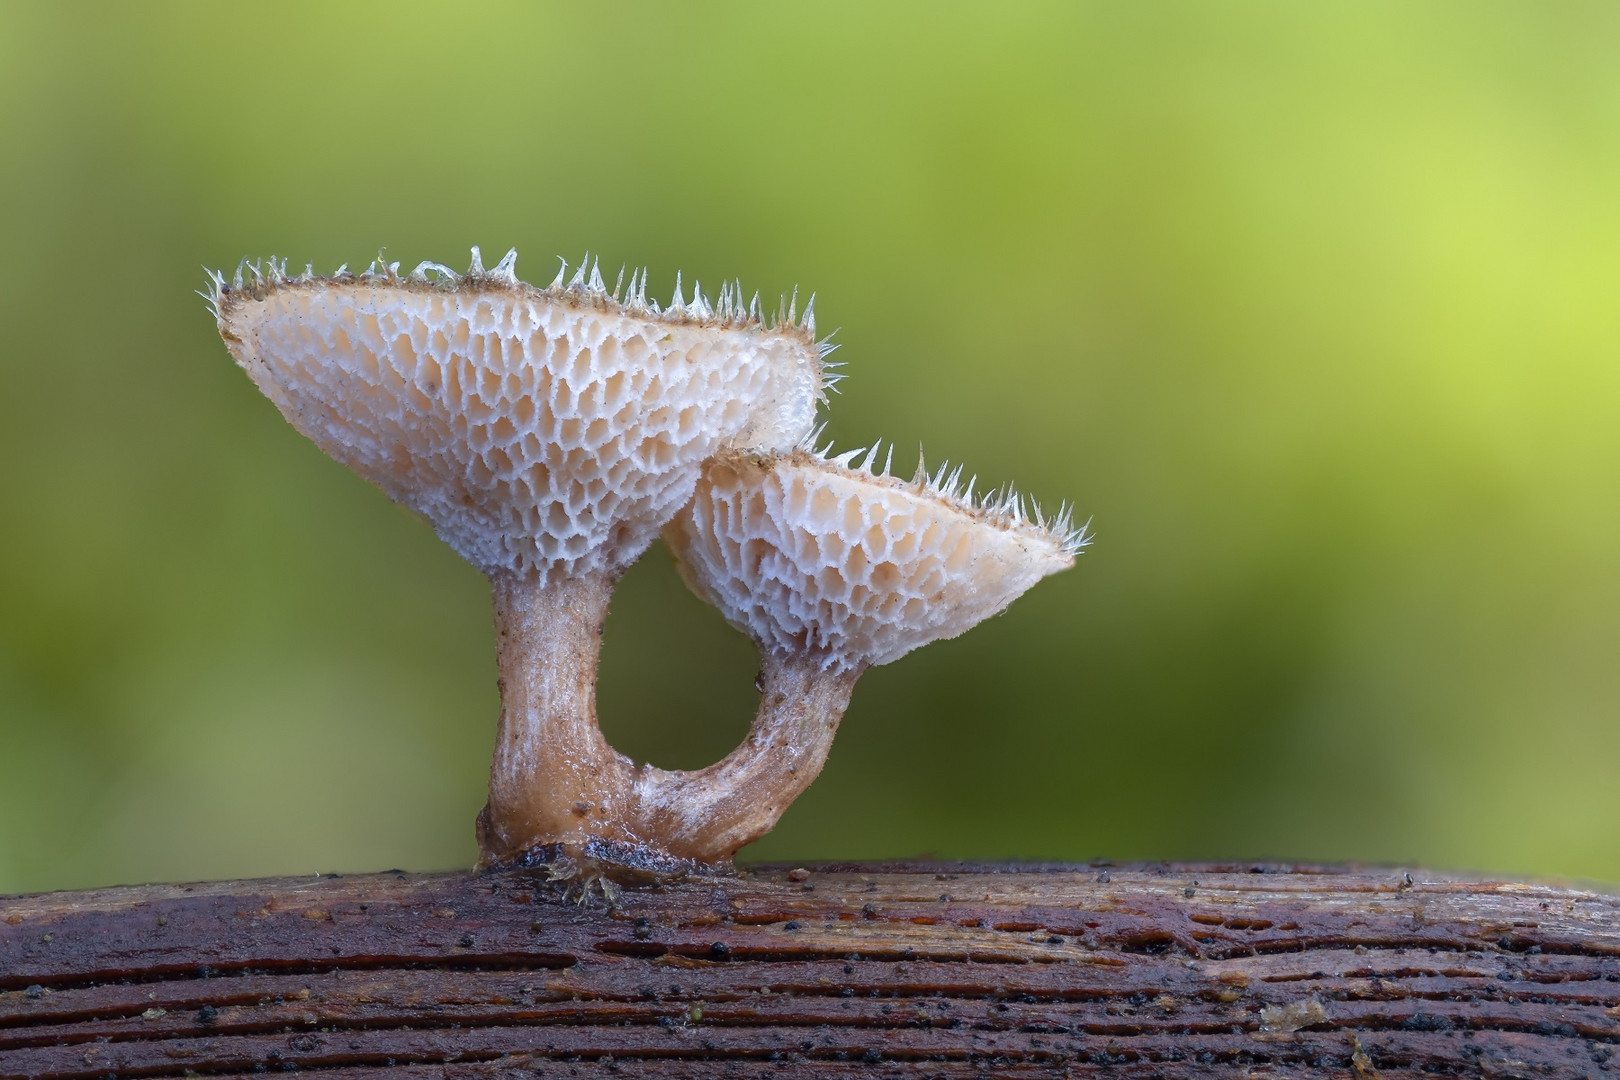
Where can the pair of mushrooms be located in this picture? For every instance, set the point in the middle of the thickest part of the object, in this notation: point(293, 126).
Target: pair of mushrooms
point(548, 436)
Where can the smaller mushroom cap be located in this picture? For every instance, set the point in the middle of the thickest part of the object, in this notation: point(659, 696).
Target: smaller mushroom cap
point(809, 555)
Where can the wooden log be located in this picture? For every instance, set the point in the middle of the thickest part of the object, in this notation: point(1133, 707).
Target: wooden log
point(904, 971)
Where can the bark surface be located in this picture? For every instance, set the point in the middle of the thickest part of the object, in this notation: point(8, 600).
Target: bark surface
point(840, 971)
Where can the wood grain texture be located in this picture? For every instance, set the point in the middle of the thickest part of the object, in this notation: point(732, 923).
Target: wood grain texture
point(905, 971)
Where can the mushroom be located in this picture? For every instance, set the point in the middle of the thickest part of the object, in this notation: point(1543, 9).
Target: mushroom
point(831, 569)
point(546, 435)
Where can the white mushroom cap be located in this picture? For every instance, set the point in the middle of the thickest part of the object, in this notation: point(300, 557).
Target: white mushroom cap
point(811, 556)
point(551, 430)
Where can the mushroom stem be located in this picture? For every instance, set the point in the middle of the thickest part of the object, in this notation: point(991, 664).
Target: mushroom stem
point(707, 814)
point(555, 782)
point(559, 794)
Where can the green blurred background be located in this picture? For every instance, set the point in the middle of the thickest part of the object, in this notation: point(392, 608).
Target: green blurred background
point(1312, 308)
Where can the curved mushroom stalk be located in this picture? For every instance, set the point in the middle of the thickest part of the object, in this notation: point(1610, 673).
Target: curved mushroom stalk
point(708, 814)
point(546, 435)
point(831, 570)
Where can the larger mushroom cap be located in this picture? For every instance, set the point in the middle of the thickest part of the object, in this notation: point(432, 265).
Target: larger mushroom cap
point(538, 430)
point(811, 557)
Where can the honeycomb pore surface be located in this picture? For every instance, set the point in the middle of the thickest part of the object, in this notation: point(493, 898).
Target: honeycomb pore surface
point(534, 431)
point(807, 556)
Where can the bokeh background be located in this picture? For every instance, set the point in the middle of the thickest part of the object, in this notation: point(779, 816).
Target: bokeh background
point(1311, 308)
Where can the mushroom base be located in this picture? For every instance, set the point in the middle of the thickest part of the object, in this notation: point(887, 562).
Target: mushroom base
point(561, 797)
point(604, 864)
